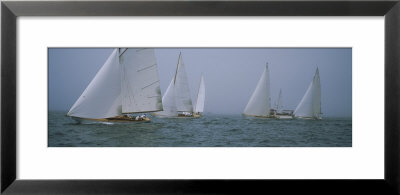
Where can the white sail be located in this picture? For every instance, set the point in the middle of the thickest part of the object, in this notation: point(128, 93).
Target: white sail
point(182, 92)
point(199, 107)
point(169, 101)
point(260, 102)
point(140, 85)
point(278, 105)
point(310, 104)
point(101, 98)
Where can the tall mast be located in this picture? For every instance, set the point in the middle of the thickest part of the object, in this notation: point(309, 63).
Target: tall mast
point(177, 66)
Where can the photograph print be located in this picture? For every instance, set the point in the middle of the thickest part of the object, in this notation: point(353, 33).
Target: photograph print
point(199, 97)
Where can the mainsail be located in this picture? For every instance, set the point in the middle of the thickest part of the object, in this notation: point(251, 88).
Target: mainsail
point(126, 83)
point(310, 104)
point(139, 80)
point(260, 102)
point(182, 92)
point(199, 107)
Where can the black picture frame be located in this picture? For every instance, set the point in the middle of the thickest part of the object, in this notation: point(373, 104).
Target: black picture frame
point(10, 10)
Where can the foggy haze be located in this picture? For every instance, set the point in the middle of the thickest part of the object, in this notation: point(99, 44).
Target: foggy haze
point(230, 75)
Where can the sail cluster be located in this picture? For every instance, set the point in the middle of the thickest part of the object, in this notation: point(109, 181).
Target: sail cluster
point(177, 97)
point(260, 101)
point(128, 82)
point(181, 87)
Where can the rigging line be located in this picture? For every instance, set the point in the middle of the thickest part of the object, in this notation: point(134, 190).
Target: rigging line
point(177, 65)
point(147, 67)
point(150, 84)
point(120, 54)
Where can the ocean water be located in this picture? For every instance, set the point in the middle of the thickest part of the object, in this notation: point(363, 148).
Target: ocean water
point(211, 130)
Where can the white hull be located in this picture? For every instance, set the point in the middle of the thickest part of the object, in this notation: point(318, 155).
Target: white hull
point(284, 116)
point(271, 116)
point(308, 118)
point(176, 116)
point(258, 116)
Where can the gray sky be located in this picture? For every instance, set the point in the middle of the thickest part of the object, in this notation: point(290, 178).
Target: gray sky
point(230, 75)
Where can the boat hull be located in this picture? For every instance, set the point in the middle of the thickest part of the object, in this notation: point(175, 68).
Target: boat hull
point(197, 115)
point(189, 116)
point(257, 116)
point(308, 118)
point(284, 116)
point(110, 120)
point(177, 116)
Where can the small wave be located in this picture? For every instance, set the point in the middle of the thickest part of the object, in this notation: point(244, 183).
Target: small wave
point(265, 141)
point(234, 130)
point(72, 123)
point(58, 133)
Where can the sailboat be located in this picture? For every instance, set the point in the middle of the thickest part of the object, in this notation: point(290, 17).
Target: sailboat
point(177, 101)
point(201, 94)
point(310, 105)
point(126, 84)
point(259, 104)
point(279, 112)
point(278, 104)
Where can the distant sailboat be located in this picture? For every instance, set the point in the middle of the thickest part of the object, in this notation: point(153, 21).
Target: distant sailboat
point(201, 94)
point(177, 101)
point(278, 104)
point(310, 105)
point(259, 104)
point(127, 83)
point(279, 112)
